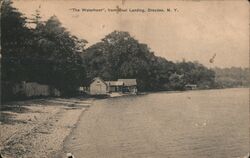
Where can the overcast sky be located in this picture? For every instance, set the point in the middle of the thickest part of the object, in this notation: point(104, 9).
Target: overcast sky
point(196, 31)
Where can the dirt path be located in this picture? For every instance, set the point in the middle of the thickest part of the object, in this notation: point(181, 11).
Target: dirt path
point(38, 128)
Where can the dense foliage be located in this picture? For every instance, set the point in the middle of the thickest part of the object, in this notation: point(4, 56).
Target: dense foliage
point(195, 73)
point(232, 77)
point(119, 55)
point(45, 52)
point(15, 42)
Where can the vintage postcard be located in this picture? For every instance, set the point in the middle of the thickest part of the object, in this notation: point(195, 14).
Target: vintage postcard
point(124, 79)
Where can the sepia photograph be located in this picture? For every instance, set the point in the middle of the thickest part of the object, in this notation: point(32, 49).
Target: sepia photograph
point(124, 79)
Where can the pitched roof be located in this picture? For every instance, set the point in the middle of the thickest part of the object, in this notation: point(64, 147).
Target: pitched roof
point(128, 82)
point(114, 83)
point(99, 78)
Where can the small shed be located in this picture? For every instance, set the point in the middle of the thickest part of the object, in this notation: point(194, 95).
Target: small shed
point(114, 86)
point(98, 87)
point(129, 85)
point(190, 86)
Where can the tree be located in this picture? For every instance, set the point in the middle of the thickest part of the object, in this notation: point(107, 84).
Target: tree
point(46, 53)
point(119, 55)
point(57, 59)
point(232, 77)
point(15, 40)
point(36, 18)
point(177, 82)
point(196, 73)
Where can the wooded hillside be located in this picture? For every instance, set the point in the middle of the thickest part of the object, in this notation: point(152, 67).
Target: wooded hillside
point(119, 55)
point(232, 77)
point(40, 51)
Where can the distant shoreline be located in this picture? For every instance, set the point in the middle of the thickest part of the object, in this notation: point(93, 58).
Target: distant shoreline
point(153, 92)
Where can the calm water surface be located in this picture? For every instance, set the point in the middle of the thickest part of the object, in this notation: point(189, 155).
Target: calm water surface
point(194, 124)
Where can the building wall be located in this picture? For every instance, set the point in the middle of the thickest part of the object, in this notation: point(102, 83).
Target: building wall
point(98, 87)
point(115, 88)
point(130, 89)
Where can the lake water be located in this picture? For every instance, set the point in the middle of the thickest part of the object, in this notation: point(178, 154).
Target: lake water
point(193, 124)
point(212, 123)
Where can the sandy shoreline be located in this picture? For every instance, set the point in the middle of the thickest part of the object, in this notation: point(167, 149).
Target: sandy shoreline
point(38, 128)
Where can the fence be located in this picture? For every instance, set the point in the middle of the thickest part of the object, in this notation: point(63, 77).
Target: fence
point(15, 91)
